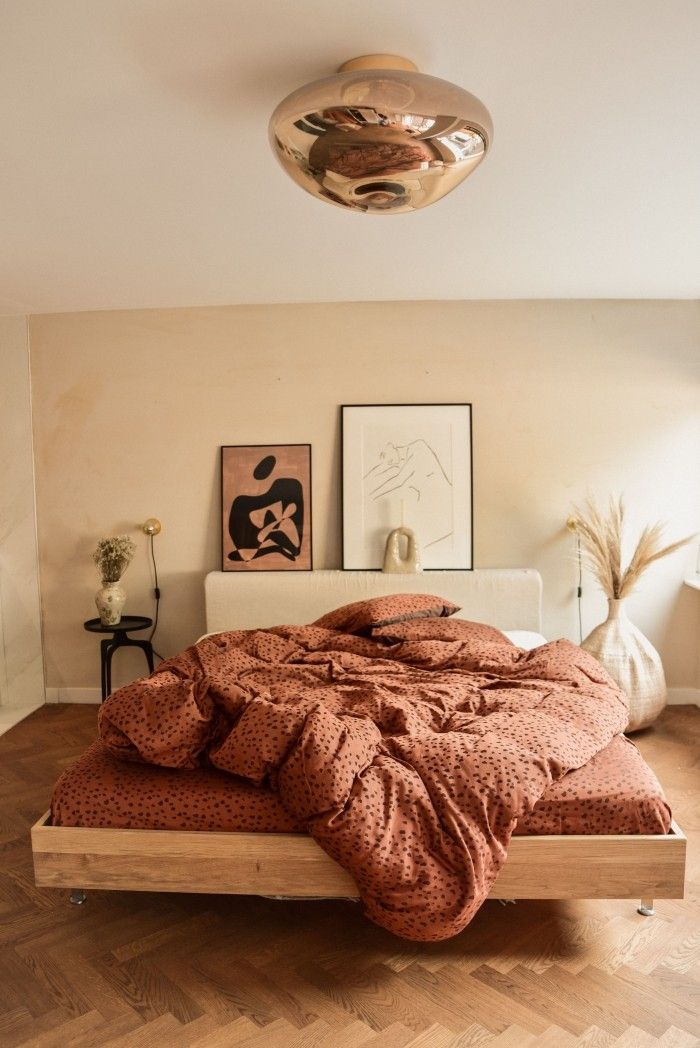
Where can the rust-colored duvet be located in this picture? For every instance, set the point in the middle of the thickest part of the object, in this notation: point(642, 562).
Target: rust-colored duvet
point(410, 762)
point(616, 792)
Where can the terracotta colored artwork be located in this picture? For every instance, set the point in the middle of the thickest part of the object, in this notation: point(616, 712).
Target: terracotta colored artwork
point(266, 507)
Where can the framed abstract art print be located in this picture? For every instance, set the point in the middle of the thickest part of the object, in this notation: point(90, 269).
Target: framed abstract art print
point(266, 507)
point(407, 464)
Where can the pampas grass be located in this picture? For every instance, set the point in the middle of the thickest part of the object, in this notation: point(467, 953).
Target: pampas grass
point(601, 533)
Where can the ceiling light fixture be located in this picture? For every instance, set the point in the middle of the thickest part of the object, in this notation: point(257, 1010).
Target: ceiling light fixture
point(379, 136)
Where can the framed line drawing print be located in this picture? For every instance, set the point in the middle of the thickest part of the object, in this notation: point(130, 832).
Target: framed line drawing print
point(407, 464)
point(266, 507)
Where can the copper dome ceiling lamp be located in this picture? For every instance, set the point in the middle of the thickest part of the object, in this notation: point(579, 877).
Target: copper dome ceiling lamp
point(379, 136)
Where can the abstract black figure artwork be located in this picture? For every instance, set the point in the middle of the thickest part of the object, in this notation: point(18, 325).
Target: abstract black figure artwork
point(266, 507)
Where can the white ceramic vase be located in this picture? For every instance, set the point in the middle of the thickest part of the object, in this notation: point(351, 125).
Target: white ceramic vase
point(632, 661)
point(110, 600)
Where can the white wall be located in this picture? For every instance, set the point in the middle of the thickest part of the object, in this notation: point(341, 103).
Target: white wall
point(569, 397)
point(21, 663)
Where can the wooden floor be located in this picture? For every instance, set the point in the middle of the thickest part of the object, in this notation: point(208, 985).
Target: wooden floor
point(144, 970)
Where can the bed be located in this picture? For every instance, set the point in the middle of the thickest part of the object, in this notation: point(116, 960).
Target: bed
point(286, 863)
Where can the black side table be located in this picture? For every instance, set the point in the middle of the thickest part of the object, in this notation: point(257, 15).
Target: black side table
point(127, 624)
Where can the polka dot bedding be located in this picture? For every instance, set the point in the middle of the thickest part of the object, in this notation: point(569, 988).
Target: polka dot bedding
point(616, 792)
point(363, 615)
point(410, 763)
point(472, 633)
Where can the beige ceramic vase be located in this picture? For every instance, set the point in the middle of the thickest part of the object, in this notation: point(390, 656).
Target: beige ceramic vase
point(396, 563)
point(632, 661)
point(110, 599)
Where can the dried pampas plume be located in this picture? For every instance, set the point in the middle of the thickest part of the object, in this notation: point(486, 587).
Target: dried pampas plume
point(601, 543)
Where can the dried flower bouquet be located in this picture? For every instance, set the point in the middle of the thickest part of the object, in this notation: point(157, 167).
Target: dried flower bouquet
point(629, 657)
point(113, 556)
point(601, 542)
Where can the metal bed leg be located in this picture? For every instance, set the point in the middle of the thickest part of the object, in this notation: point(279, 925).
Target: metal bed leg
point(77, 896)
point(646, 908)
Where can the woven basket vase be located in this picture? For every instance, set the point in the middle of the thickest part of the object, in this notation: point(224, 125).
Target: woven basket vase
point(632, 661)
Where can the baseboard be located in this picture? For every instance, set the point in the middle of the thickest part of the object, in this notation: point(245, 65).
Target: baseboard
point(684, 696)
point(84, 695)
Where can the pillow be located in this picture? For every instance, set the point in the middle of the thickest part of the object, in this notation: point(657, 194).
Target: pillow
point(365, 615)
point(453, 629)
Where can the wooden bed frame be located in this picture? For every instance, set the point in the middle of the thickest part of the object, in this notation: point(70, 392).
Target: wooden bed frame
point(645, 867)
point(630, 866)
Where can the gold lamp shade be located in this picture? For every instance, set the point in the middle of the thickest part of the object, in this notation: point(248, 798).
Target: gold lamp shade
point(379, 136)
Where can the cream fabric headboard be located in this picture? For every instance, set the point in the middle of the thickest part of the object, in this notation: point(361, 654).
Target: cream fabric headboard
point(509, 598)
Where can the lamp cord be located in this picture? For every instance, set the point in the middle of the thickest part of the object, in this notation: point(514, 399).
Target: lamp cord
point(156, 591)
point(579, 588)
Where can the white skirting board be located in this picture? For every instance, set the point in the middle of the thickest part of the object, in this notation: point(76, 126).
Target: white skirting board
point(684, 696)
point(676, 696)
point(82, 695)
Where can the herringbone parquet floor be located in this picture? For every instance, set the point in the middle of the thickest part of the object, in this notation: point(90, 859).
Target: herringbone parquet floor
point(145, 970)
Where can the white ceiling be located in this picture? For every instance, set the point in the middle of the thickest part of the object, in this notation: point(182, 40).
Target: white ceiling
point(135, 169)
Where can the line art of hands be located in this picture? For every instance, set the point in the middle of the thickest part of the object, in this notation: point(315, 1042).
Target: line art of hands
point(414, 473)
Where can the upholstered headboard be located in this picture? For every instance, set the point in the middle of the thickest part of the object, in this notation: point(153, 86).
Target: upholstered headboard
point(509, 598)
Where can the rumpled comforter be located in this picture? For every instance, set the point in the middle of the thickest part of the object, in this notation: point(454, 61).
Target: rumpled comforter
point(409, 763)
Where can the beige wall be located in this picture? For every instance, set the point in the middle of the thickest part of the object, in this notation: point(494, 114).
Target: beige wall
point(130, 409)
